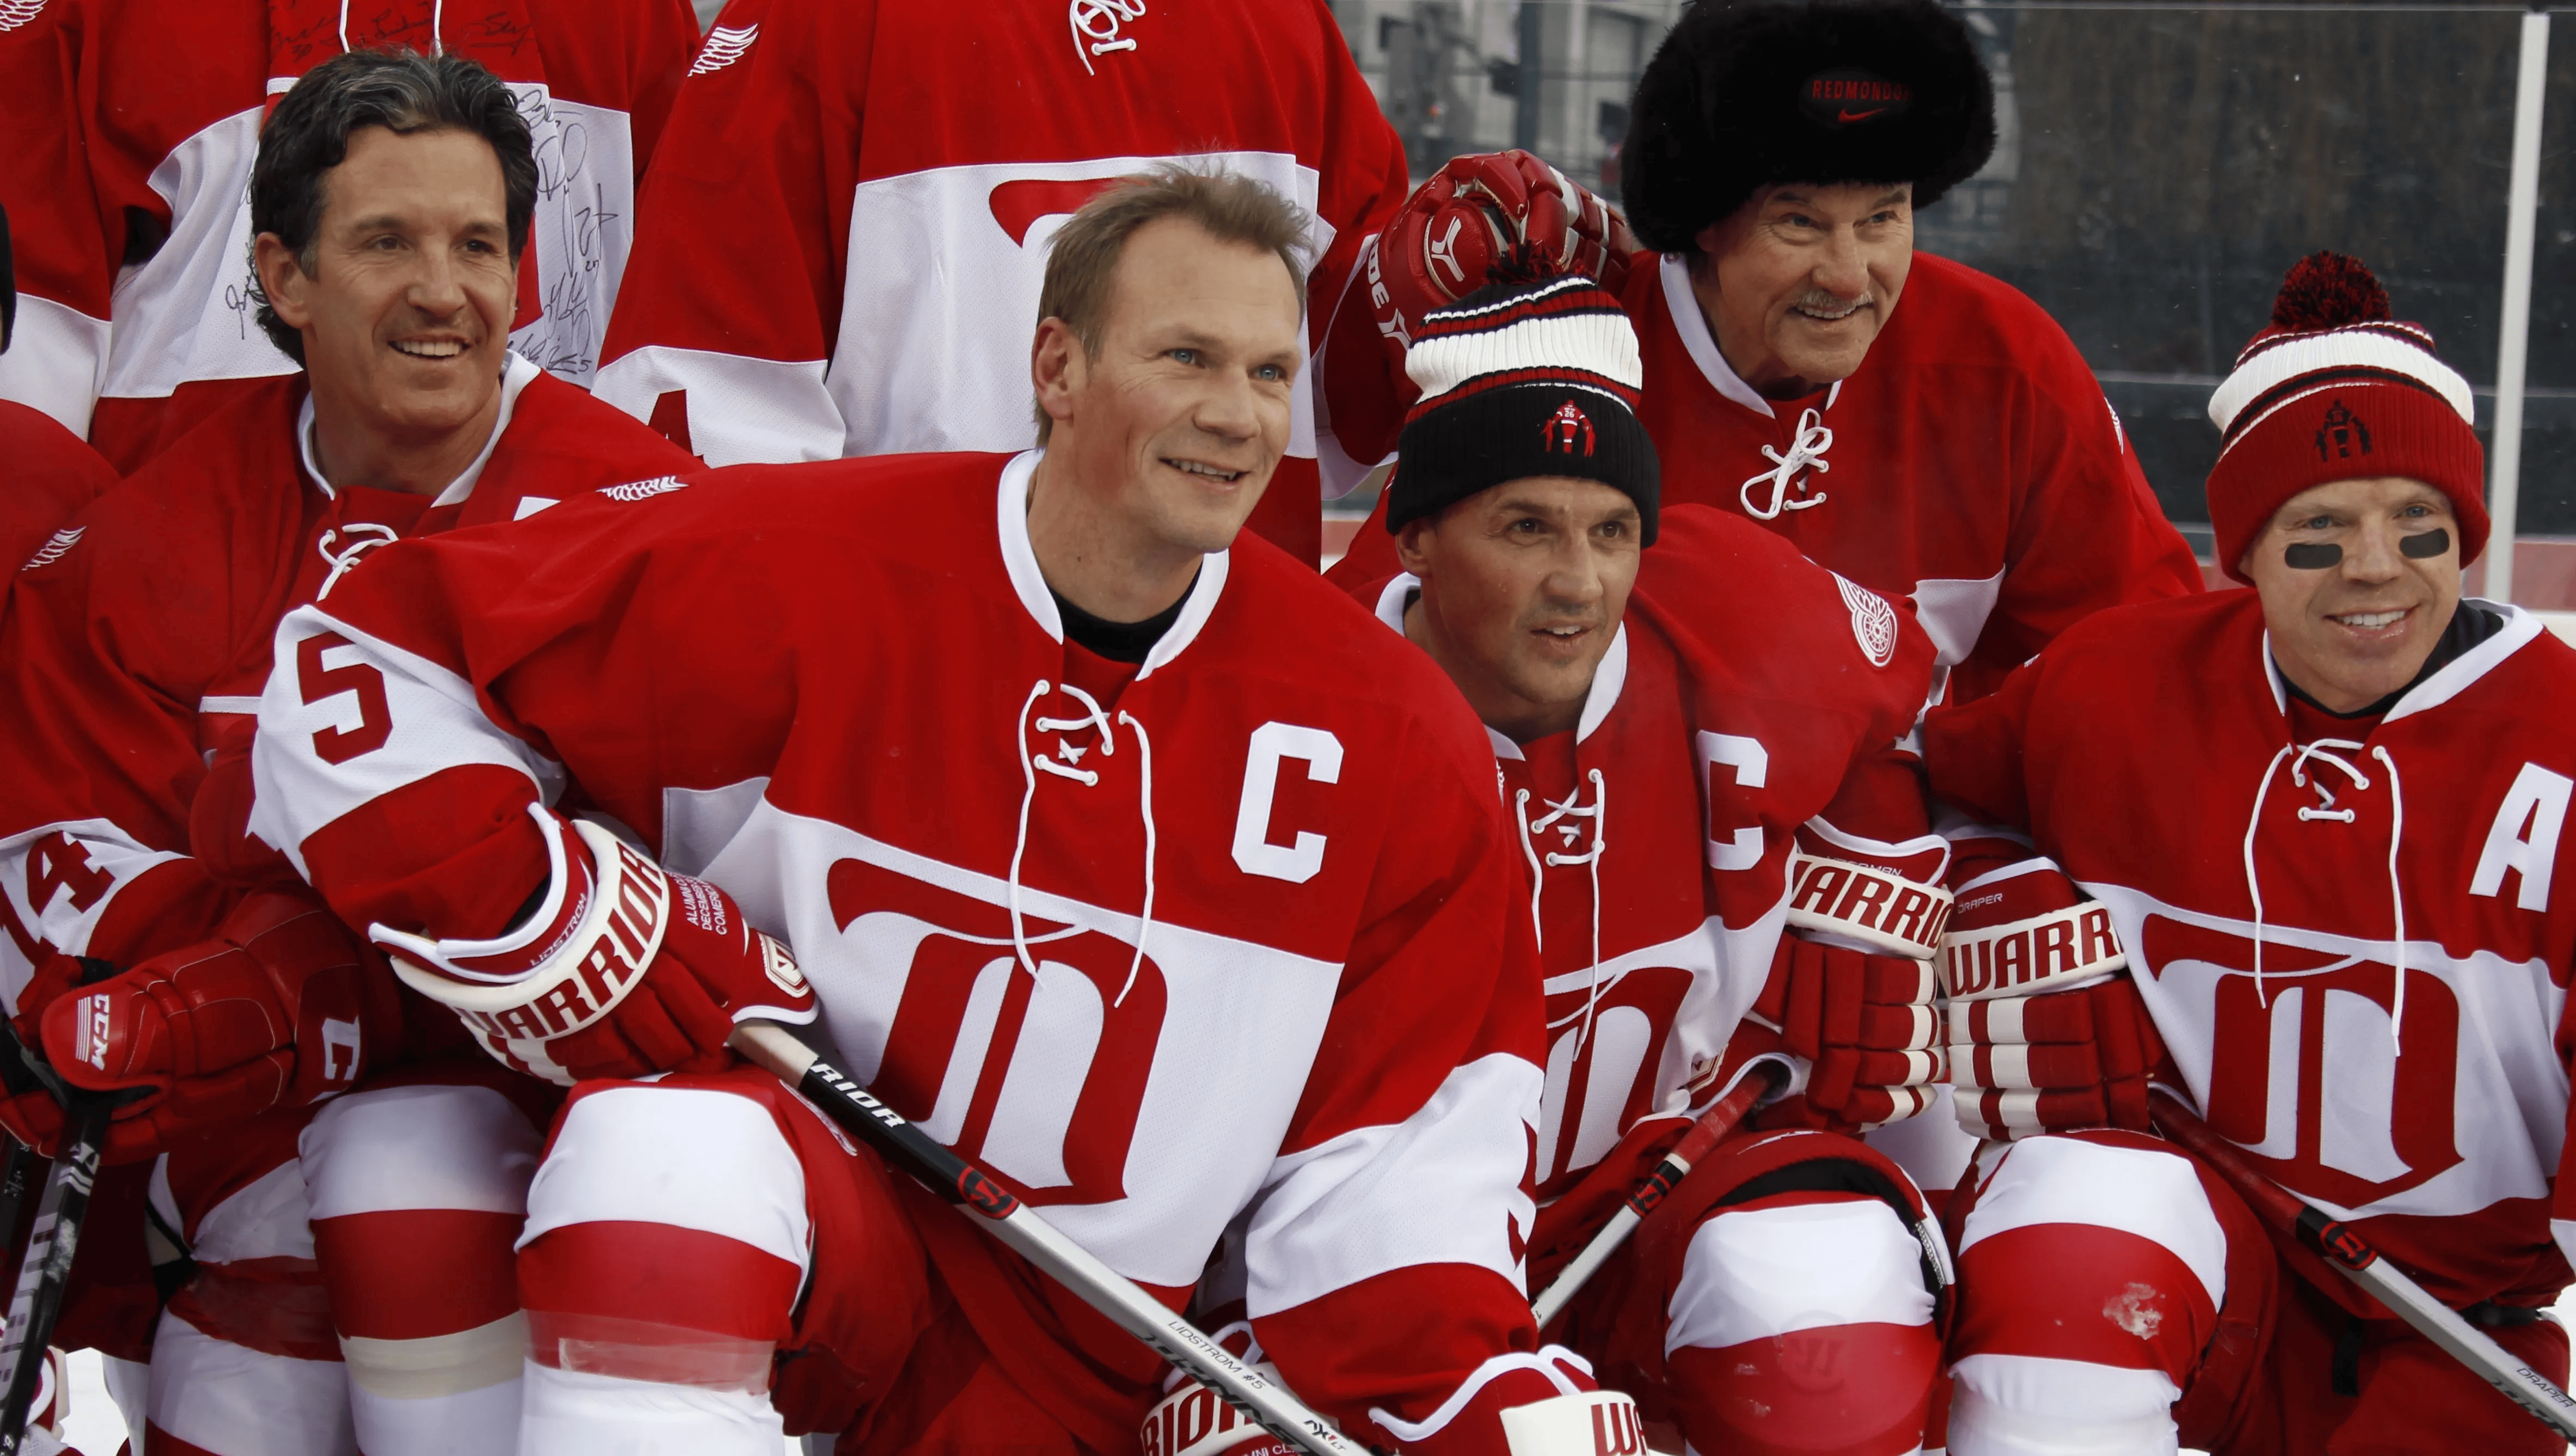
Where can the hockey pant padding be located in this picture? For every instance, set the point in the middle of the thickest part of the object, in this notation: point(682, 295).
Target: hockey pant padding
point(244, 1362)
point(580, 1413)
point(2091, 1271)
point(1776, 1302)
point(417, 1196)
point(666, 1239)
point(393, 1208)
point(1801, 1324)
point(680, 1231)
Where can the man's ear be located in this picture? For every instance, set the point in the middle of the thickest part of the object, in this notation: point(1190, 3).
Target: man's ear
point(283, 279)
point(1412, 546)
point(1058, 368)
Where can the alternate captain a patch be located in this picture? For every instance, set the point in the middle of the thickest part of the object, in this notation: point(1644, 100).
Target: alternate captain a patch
point(1873, 621)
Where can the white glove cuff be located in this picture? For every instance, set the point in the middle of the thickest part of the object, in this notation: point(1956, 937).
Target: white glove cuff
point(1866, 903)
point(1594, 1423)
point(2050, 952)
point(590, 968)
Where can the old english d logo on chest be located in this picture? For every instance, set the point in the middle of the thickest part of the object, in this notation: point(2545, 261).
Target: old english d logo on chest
point(2386, 1124)
point(1040, 1077)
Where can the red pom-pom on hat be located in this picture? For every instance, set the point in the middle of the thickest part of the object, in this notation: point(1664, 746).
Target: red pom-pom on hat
point(2327, 291)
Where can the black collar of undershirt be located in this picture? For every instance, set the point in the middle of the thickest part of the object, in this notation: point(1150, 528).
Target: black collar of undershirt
point(2470, 625)
point(1119, 641)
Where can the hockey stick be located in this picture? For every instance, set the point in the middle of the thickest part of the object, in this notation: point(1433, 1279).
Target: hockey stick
point(45, 1270)
point(2352, 1256)
point(17, 1170)
point(1713, 1125)
point(974, 1191)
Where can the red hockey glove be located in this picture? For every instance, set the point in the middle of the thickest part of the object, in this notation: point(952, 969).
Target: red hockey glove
point(2046, 1033)
point(1852, 987)
point(1866, 1025)
point(1481, 219)
point(281, 1008)
point(622, 970)
point(32, 1110)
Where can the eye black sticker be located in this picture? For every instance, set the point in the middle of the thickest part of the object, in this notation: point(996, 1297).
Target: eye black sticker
point(2424, 545)
point(2311, 555)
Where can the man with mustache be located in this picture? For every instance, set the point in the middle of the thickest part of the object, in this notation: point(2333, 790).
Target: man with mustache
point(2300, 853)
point(352, 1263)
point(1907, 421)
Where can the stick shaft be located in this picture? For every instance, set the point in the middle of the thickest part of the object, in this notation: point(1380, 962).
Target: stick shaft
point(17, 1172)
point(1703, 1137)
point(1015, 1224)
point(2352, 1256)
point(47, 1266)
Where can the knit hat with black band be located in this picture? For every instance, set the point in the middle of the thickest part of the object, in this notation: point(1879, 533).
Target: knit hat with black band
point(1748, 94)
point(2334, 389)
point(1521, 380)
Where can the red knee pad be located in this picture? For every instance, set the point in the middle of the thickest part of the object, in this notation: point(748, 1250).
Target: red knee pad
point(1766, 1165)
point(2113, 1297)
point(1851, 1390)
point(411, 1273)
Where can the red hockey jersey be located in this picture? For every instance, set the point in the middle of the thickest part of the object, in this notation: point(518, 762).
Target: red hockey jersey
point(48, 477)
point(57, 253)
point(1969, 467)
point(1230, 935)
point(842, 242)
point(137, 643)
point(1748, 693)
point(2354, 948)
point(166, 101)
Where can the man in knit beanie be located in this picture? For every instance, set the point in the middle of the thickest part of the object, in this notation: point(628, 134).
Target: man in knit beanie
point(1729, 866)
point(2293, 852)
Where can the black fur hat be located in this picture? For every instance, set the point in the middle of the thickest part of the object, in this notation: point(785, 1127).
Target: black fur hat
point(1745, 94)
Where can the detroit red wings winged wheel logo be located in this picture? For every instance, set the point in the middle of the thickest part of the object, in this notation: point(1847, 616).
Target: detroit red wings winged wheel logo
point(1873, 621)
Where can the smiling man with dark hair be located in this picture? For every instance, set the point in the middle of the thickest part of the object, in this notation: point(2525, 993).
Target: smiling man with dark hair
point(391, 199)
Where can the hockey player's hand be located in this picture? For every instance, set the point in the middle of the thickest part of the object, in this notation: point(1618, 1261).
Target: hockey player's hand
point(2047, 1033)
point(282, 1008)
point(622, 969)
point(1483, 219)
point(1866, 1024)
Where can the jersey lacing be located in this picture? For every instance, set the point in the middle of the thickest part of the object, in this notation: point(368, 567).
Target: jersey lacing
point(2322, 751)
point(1598, 812)
point(1033, 764)
point(1806, 452)
point(362, 536)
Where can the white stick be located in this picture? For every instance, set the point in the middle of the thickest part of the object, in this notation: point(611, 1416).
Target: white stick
point(1713, 1125)
point(1014, 1223)
point(2522, 206)
point(2349, 1254)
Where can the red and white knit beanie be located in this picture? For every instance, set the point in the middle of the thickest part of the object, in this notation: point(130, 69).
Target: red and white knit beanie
point(1521, 380)
point(2333, 389)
